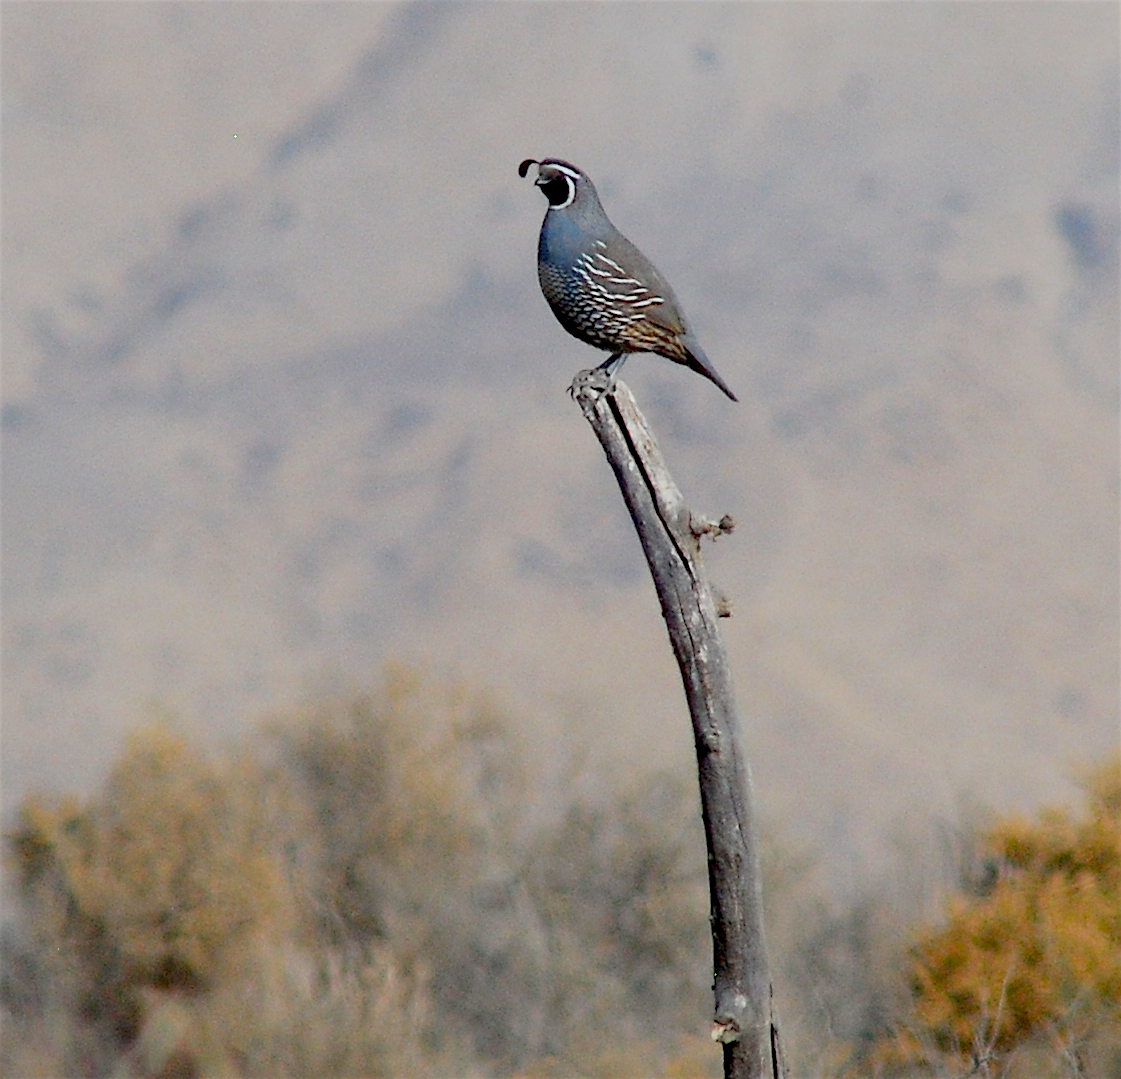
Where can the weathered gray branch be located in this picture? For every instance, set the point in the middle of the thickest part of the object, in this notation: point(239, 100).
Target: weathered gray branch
point(670, 539)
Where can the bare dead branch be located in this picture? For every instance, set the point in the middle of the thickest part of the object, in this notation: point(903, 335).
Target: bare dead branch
point(669, 534)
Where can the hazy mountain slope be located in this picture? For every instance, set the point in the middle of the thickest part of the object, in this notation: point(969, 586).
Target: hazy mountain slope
point(275, 418)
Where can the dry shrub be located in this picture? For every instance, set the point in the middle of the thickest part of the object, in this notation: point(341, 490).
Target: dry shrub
point(156, 884)
point(168, 931)
point(384, 886)
point(325, 1012)
point(1025, 974)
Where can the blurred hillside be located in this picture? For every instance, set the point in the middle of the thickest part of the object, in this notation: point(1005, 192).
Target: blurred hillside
point(281, 397)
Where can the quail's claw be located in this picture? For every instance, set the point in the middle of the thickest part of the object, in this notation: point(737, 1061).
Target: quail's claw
point(596, 380)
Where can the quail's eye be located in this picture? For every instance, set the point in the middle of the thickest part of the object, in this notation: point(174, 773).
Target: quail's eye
point(560, 190)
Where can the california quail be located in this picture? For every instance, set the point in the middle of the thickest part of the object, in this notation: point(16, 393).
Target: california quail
point(602, 289)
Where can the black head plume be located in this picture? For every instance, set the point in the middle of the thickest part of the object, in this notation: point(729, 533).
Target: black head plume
point(557, 179)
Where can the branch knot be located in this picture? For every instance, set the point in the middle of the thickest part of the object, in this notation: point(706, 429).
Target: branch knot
point(705, 526)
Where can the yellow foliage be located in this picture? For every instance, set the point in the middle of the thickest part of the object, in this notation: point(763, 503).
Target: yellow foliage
point(155, 881)
point(1038, 954)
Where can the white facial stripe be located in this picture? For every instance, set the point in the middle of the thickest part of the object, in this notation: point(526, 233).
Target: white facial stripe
point(571, 181)
point(572, 174)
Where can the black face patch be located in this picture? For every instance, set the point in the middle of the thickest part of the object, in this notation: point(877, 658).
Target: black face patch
point(558, 190)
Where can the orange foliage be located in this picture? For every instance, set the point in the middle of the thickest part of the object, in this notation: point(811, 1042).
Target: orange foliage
point(1036, 956)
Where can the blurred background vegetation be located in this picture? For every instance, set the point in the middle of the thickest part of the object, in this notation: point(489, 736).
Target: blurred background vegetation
point(397, 885)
